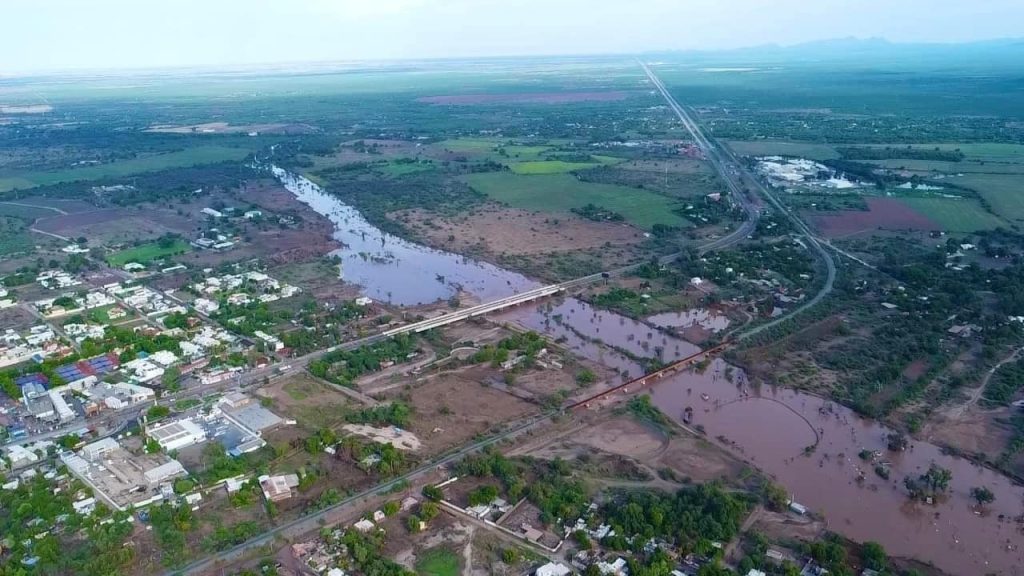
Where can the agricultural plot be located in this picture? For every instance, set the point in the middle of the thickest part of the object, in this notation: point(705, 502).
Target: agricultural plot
point(563, 192)
point(1003, 192)
point(148, 252)
point(954, 214)
point(783, 148)
point(188, 157)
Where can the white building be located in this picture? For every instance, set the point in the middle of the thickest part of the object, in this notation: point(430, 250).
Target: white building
point(165, 471)
point(212, 213)
point(95, 450)
point(553, 569)
point(206, 306)
point(177, 435)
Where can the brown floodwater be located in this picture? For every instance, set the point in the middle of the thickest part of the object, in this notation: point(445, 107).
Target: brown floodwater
point(770, 428)
point(767, 427)
point(707, 319)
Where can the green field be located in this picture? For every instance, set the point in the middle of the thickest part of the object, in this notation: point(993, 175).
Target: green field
point(560, 166)
point(14, 236)
point(25, 212)
point(438, 562)
point(563, 192)
point(988, 151)
point(955, 215)
point(188, 157)
point(1003, 192)
point(783, 148)
point(147, 252)
point(548, 167)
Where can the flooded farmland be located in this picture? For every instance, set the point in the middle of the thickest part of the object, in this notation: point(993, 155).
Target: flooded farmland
point(770, 428)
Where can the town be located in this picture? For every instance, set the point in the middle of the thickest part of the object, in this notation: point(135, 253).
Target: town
point(753, 312)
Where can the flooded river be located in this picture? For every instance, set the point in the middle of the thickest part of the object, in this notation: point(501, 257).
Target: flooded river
point(770, 428)
point(394, 270)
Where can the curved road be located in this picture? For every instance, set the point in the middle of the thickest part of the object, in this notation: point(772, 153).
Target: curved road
point(722, 159)
point(310, 523)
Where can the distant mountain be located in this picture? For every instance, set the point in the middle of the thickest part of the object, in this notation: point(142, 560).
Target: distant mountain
point(1001, 52)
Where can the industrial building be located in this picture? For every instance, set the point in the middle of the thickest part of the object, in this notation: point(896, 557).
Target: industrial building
point(177, 435)
point(122, 479)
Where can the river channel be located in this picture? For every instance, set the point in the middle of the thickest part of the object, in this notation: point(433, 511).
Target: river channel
point(770, 428)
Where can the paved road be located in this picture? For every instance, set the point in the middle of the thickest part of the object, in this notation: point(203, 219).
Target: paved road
point(728, 166)
point(312, 522)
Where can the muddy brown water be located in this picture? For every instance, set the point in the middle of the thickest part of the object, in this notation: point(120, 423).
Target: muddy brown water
point(391, 269)
point(707, 319)
point(770, 428)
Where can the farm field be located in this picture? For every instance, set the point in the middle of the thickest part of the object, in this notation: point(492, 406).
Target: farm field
point(955, 215)
point(147, 252)
point(1003, 192)
point(548, 167)
point(783, 148)
point(188, 157)
point(562, 193)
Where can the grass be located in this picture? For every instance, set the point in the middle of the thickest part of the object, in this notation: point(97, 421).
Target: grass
point(548, 167)
point(1003, 192)
point(955, 215)
point(563, 192)
point(147, 252)
point(28, 213)
point(438, 562)
point(783, 148)
point(101, 315)
point(14, 236)
point(182, 158)
point(534, 167)
point(299, 390)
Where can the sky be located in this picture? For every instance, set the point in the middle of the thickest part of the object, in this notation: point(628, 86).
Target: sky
point(48, 35)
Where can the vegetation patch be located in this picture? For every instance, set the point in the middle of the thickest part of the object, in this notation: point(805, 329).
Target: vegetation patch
point(548, 167)
point(149, 252)
point(955, 214)
point(182, 158)
point(438, 562)
point(563, 193)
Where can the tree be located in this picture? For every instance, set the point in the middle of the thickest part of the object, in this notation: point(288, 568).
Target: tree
point(429, 510)
point(157, 412)
point(413, 523)
point(982, 495)
point(585, 377)
point(775, 496)
point(170, 378)
point(433, 493)
point(897, 442)
point(582, 539)
point(930, 484)
point(483, 495)
point(391, 508)
point(873, 556)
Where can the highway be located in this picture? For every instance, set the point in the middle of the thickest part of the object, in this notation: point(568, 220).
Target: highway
point(723, 159)
point(713, 156)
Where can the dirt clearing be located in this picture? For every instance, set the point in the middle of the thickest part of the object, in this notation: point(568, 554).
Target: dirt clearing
point(882, 214)
point(451, 409)
point(497, 230)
